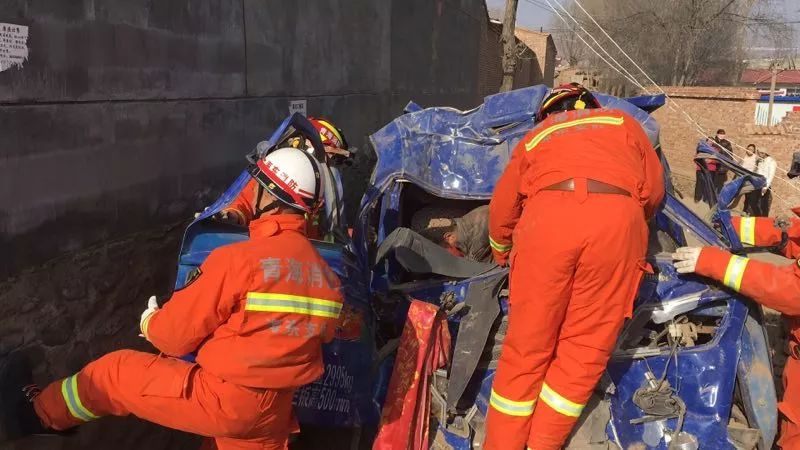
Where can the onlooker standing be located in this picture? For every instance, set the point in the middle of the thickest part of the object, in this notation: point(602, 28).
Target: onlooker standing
point(722, 146)
point(750, 158)
point(749, 162)
point(766, 167)
point(712, 165)
point(699, 190)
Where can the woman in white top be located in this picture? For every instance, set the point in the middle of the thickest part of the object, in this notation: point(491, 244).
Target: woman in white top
point(749, 162)
point(766, 166)
point(750, 158)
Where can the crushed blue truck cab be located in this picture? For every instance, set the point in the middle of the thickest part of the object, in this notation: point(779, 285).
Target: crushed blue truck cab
point(692, 367)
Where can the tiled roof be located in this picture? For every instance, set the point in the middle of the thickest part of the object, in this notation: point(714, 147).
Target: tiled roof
point(763, 76)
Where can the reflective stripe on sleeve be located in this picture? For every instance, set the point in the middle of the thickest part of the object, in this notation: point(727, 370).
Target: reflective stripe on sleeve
point(597, 120)
point(69, 390)
point(511, 407)
point(285, 303)
point(747, 230)
point(146, 323)
point(735, 272)
point(499, 247)
point(560, 404)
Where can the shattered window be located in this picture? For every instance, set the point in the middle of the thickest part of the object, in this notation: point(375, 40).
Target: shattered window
point(649, 333)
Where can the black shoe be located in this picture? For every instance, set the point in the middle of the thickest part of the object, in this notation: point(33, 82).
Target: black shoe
point(17, 392)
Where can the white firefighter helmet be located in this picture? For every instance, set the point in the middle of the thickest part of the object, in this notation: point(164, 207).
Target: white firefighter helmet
point(292, 176)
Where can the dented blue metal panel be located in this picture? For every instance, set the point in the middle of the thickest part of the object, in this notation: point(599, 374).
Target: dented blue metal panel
point(456, 154)
point(702, 376)
point(460, 155)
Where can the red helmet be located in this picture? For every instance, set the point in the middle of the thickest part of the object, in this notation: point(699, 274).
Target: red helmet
point(567, 97)
point(330, 135)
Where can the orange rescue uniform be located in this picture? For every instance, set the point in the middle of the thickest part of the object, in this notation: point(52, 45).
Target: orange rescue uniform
point(576, 263)
point(774, 287)
point(257, 314)
point(243, 205)
point(244, 208)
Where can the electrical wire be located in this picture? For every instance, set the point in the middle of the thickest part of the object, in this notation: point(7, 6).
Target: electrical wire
point(622, 68)
point(671, 103)
point(632, 80)
point(691, 119)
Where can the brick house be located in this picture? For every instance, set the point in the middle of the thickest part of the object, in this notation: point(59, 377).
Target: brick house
point(536, 64)
point(542, 54)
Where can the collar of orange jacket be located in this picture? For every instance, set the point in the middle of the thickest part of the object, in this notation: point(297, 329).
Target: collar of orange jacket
point(271, 225)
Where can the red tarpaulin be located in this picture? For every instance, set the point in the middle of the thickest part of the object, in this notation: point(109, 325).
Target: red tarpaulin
point(424, 348)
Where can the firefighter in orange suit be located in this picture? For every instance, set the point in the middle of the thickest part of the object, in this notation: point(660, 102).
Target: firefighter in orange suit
point(241, 210)
point(256, 312)
point(574, 202)
point(769, 232)
point(772, 286)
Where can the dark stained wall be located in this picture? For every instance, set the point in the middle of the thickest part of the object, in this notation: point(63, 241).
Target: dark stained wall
point(132, 113)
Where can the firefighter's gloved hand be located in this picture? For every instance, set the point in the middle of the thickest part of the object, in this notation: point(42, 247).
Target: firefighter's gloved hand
point(685, 259)
point(230, 217)
point(152, 307)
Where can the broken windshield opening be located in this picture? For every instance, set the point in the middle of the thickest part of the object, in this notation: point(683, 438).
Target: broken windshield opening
point(648, 334)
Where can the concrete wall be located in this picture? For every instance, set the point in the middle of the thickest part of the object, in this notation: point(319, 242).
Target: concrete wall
point(136, 112)
point(132, 114)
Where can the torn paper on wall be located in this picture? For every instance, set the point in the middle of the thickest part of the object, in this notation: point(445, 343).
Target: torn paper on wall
point(13, 45)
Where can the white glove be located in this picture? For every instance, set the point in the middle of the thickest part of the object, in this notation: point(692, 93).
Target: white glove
point(685, 259)
point(197, 214)
point(152, 307)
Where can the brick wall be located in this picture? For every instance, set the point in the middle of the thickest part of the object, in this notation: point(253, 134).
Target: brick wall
point(490, 71)
point(535, 66)
point(732, 109)
point(543, 57)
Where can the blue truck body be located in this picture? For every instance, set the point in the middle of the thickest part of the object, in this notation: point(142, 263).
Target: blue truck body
point(723, 374)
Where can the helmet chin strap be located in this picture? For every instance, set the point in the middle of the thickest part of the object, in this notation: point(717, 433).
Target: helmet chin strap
point(258, 210)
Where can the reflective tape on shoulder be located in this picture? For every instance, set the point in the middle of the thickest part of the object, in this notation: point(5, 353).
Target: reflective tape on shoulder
point(735, 272)
point(560, 404)
point(498, 246)
point(747, 230)
point(69, 390)
point(297, 304)
point(511, 407)
point(597, 120)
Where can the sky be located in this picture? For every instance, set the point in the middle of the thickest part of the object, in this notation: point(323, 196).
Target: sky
point(533, 14)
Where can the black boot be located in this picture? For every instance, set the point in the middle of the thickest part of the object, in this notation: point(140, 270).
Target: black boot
point(17, 391)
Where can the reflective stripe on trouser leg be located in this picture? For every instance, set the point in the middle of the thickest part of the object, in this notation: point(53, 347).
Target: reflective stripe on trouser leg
point(735, 272)
point(511, 407)
point(747, 230)
point(69, 390)
point(559, 403)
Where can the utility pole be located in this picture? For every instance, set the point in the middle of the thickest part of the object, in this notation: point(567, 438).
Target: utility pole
point(509, 46)
point(772, 92)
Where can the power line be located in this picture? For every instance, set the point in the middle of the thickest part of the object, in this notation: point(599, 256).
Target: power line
point(670, 101)
point(539, 4)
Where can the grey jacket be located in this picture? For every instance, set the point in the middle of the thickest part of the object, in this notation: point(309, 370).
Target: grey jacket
point(473, 234)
